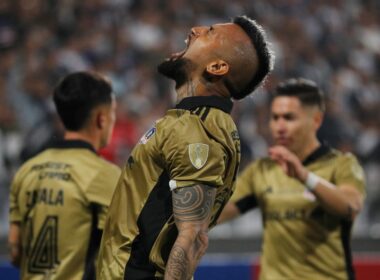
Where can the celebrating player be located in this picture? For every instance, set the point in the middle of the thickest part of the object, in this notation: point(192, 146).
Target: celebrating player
point(309, 193)
point(178, 178)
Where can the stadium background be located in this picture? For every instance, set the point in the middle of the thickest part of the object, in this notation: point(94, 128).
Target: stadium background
point(335, 42)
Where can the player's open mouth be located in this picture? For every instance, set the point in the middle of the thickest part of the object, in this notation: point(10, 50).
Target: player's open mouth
point(178, 55)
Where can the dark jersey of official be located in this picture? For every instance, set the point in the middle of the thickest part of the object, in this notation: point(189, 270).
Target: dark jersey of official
point(197, 142)
point(60, 199)
point(301, 240)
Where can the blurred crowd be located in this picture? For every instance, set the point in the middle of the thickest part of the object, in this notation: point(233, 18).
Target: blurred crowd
point(333, 42)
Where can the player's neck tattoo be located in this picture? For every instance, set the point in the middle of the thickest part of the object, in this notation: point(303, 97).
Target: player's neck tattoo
point(188, 90)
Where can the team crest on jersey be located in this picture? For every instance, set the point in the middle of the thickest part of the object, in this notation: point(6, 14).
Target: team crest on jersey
point(198, 154)
point(147, 135)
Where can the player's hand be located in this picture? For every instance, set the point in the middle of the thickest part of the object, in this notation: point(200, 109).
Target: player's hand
point(289, 162)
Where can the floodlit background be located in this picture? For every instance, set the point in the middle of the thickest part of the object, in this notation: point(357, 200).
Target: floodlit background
point(334, 42)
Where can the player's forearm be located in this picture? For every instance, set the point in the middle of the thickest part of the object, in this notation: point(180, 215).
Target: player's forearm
point(345, 201)
point(337, 201)
point(192, 211)
point(14, 244)
point(15, 255)
point(230, 211)
point(185, 255)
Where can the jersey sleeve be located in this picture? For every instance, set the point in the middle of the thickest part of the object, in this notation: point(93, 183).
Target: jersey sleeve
point(193, 157)
point(244, 195)
point(14, 203)
point(101, 190)
point(350, 172)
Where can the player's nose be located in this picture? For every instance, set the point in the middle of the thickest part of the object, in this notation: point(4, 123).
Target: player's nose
point(280, 126)
point(198, 30)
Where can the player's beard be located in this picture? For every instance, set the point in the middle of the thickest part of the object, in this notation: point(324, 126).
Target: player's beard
point(177, 70)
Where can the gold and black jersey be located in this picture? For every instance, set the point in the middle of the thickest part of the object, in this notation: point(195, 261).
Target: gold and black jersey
point(301, 240)
point(197, 142)
point(60, 199)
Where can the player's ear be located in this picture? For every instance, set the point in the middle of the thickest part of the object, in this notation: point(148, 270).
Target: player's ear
point(217, 68)
point(318, 119)
point(100, 119)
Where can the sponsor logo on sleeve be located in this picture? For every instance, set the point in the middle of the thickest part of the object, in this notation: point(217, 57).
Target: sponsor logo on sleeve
point(147, 135)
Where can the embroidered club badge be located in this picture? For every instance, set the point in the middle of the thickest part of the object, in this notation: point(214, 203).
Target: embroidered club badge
point(198, 154)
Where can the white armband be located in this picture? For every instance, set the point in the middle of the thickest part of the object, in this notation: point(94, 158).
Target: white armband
point(312, 180)
point(172, 185)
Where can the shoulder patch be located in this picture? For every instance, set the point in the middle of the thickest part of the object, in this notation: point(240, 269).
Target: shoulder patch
point(147, 135)
point(198, 154)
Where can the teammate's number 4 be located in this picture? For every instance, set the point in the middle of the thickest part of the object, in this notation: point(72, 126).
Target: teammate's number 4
point(44, 253)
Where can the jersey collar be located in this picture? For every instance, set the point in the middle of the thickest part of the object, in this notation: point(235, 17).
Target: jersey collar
point(220, 103)
point(72, 144)
point(322, 150)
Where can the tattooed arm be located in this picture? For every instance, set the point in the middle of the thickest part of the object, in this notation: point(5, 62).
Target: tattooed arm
point(192, 208)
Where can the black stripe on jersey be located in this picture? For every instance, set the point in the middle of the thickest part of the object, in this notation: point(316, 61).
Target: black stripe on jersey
point(246, 203)
point(156, 212)
point(93, 245)
point(171, 237)
point(204, 115)
point(345, 236)
point(197, 111)
point(190, 103)
point(322, 150)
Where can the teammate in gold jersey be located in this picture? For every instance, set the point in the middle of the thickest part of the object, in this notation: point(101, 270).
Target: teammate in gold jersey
point(179, 177)
point(59, 198)
point(308, 193)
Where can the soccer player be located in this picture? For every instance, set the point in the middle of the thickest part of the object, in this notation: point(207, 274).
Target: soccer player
point(181, 173)
point(59, 198)
point(309, 193)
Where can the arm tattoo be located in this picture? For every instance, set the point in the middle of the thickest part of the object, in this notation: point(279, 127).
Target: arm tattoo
point(178, 264)
point(191, 204)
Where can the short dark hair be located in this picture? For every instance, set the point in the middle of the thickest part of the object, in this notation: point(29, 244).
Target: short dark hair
point(265, 56)
point(77, 95)
point(305, 90)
